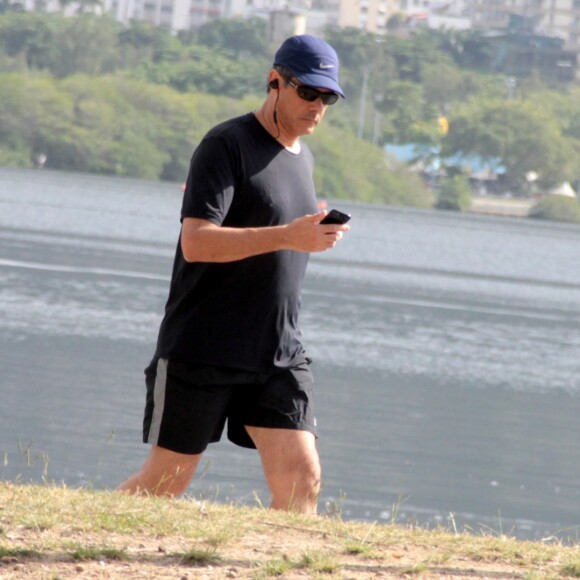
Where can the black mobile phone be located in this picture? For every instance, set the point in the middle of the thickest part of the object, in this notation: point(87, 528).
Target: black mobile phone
point(335, 217)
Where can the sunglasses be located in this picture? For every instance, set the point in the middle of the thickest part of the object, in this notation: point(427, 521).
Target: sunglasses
point(310, 94)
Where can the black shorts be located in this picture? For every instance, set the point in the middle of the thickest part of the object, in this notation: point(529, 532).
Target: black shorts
point(187, 406)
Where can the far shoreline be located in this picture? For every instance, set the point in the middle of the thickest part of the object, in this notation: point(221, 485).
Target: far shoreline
point(501, 206)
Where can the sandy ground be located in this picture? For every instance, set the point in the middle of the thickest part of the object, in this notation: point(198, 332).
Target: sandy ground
point(502, 206)
point(260, 553)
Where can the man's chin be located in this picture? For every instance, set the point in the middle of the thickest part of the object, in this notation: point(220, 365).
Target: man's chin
point(309, 127)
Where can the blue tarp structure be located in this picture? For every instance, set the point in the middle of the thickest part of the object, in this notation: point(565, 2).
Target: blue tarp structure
point(429, 160)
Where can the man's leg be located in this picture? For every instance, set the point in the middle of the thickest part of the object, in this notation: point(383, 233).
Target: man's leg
point(163, 473)
point(291, 466)
point(183, 414)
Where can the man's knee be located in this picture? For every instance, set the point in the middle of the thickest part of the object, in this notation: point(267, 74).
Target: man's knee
point(297, 486)
point(309, 471)
point(291, 465)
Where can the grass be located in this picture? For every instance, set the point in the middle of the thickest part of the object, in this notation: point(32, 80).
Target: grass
point(200, 557)
point(53, 532)
point(571, 570)
point(84, 553)
point(16, 553)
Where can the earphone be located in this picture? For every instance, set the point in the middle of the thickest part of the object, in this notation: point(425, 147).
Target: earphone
point(274, 84)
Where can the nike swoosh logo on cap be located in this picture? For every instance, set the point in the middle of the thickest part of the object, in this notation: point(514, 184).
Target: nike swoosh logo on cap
point(322, 65)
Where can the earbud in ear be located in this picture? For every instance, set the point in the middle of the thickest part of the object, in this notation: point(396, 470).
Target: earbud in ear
point(274, 84)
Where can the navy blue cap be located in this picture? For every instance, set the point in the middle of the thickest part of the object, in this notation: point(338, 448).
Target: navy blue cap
point(312, 60)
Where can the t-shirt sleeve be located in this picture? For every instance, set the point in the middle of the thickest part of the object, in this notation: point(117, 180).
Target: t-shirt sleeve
point(210, 185)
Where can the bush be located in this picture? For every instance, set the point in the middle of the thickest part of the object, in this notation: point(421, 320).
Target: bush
point(557, 207)
point(454, 194)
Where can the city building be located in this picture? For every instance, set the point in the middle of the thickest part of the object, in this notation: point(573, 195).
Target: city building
point(296, 15)
point(491, 14)
point(558, 19)
point(548, 26)
point(374, 15)
point(368, 15)
point(523, 35)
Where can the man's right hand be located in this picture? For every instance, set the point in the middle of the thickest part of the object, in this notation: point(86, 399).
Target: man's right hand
point(307, 234)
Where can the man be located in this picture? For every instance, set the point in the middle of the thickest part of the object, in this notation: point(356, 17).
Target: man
point(229, 346)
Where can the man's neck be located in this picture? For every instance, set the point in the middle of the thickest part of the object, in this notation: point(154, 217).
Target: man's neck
point(270, 123)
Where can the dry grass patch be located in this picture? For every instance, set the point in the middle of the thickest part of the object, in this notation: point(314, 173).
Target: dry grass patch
point(110, 535)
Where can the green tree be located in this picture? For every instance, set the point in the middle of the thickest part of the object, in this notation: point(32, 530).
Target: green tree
point(347, 168)
point(524, 136)
point(563, 106)
point(454, 194)
point(443, 83)
point(137, 43)
point(197, 73)
point(355, 48)
point(557, 207)
point(407, 118)
point(238, 36)
point(30, 37)
point(86, 44)
point(30, 108)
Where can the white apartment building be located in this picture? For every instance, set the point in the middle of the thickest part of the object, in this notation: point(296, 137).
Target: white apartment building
point(559, 18)
point(551, 17)
point(369, 15)
point(298, 15)
point(176, 14)
point(564, 21)
point(373, 15)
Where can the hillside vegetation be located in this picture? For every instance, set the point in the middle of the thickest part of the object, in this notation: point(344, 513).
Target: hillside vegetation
point(49, 532)
point(92, 95)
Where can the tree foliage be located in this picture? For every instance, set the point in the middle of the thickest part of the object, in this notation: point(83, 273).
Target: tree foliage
point(454, 194)
point(128, 100)
point(123, 126)
point(557, 207)
point(349, 169)
point(529, 127)
point(242, 38)
point(104, 125)
point(523, 135)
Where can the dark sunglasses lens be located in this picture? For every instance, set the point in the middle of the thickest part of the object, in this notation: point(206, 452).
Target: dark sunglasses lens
point(307, 93)
point(329, 98)
point(310, 94)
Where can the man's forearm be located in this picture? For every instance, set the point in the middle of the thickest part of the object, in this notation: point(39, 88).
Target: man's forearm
point(224, 244)
point(204, 241)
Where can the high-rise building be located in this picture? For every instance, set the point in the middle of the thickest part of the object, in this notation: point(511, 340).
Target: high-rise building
point(496, 13)
point(563, 20)
point(558, 18)
point(551, 18)
point(374, 15)
point(369, 15)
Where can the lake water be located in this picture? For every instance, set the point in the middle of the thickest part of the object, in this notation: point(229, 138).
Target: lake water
point(446, 347)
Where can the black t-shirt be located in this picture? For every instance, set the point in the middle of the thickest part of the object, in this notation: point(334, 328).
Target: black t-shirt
point(241, 314)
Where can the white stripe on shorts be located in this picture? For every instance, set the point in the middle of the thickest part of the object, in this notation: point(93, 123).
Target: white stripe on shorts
point(158, 401)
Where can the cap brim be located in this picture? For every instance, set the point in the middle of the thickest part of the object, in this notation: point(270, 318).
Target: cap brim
point(320, 82)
